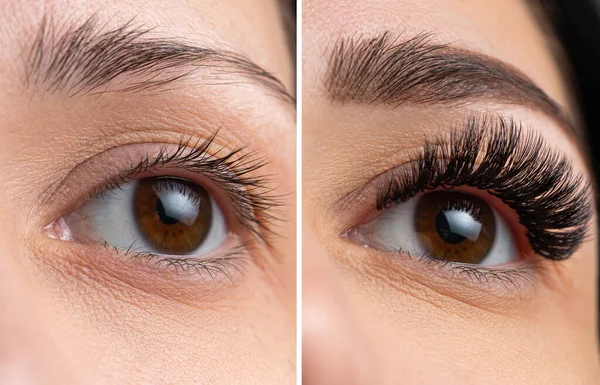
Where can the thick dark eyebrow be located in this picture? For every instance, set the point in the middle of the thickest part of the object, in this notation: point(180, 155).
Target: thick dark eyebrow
point(88, 59)
point(384, 70)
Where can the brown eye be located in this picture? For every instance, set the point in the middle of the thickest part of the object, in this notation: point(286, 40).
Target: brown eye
point(173, 215)
point(454, 226)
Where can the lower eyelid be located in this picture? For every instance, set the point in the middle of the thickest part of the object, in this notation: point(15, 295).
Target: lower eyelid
point(100, 266)
point(224, 263)
point(491, 288)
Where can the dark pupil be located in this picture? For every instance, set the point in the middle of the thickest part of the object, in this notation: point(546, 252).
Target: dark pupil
point(443, 227)
point(162, 214)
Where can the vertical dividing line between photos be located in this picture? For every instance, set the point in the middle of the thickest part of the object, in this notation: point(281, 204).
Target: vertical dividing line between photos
point(299, 192)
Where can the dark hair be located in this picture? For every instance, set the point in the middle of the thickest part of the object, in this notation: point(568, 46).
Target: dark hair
point(288, 14)
point(577, 23)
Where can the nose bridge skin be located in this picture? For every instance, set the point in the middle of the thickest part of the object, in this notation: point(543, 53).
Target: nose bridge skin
point(333, 345)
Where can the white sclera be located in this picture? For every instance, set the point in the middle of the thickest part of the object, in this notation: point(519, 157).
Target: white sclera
point(394, 229)
point(110, 218)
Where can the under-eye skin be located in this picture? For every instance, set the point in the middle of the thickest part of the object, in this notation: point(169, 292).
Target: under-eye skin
point(447, 206)
point(194, 207)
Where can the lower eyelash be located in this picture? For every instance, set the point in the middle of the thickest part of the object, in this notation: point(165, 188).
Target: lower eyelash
point(508, 278)
point(225, 265)
point(511, 163)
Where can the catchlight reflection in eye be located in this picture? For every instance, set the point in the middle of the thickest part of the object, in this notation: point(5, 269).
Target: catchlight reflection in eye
point(449, 226)
point(161, 215)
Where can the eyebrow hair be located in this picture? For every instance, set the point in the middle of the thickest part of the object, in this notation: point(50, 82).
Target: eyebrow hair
point(384, 70)
point(86, 59)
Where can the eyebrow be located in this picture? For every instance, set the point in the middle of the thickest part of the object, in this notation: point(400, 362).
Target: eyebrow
point(386, 71)
point(87, 59)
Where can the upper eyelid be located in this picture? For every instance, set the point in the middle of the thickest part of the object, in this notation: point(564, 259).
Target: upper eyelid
point(412, 154)
point(127, 156)
point(50, 191)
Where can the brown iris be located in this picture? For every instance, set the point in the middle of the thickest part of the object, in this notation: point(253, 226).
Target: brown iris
point(173, 214)
point(455, 226)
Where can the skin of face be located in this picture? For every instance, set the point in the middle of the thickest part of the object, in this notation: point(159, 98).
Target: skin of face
point(393, 322)
point(72, 313)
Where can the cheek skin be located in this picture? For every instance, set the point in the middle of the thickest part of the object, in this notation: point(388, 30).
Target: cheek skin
point(411, 331)
point(123, 327)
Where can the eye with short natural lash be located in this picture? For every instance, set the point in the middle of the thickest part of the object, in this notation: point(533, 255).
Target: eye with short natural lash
point(235, 173)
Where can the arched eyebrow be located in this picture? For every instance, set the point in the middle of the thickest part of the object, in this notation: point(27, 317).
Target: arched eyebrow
point(386, 71)
point(87, 59)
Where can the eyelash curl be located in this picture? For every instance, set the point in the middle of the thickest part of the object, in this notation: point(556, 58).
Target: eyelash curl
point(513, 164)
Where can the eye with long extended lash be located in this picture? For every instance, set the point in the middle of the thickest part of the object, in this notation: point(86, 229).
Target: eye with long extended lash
point(449, 203)
point(193, 207)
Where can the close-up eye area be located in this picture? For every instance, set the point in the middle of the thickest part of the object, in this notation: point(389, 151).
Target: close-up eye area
point(190, 206)
point(449, 224)
point(442, 225)
point(485, 200)
point(161, 215)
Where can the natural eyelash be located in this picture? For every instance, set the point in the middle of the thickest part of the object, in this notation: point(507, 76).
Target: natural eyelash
point(231, 170)
point(507, 277)
point(225, 264)
point(512, 163)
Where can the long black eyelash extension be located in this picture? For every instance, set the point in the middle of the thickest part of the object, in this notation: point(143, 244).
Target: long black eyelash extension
point(233, 171)
point(512, 163)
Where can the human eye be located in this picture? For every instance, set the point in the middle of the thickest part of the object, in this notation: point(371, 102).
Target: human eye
point(193, 207)
point(442, 225)
point(489, 203)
